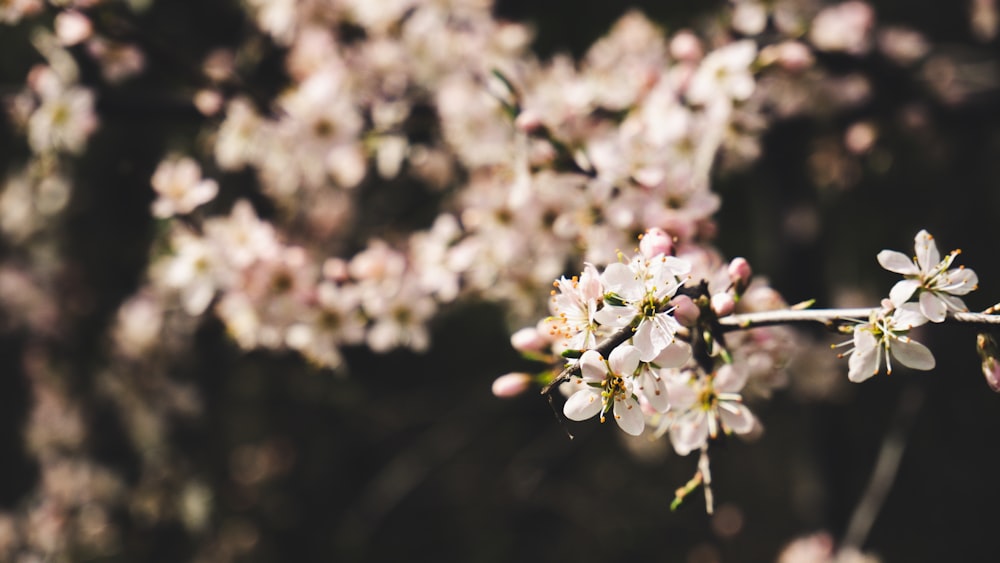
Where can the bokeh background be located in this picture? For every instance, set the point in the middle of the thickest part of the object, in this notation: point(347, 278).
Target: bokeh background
point(408, 456)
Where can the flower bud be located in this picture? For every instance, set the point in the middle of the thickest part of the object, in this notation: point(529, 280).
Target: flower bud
point(529, 339)
point(723, 304)
point(988, 352)
point(655, 242)
point(685, 311)
point(740, 272)
point(511, 385)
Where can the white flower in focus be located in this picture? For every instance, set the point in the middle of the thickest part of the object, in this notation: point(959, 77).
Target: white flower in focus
point(701, 406)
point(885, 334)
point(180, 187)
point(598, 390)
point(641, 289)
point(930, 277)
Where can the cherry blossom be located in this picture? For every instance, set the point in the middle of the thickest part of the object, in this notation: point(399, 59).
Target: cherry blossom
point(885, 335)
point(931, 278)
point(607, 386)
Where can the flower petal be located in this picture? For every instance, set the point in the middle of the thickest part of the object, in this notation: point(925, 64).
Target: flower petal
point(958, 281)
point(864, 360)
point(592, 366)
point(908, 316)
point(674, 355)
point(902, 291)
point(583, 404)
point(736, 417)
point(629, 416)
point(655, 390)
point(689, 432)
point(926, 249)
point(730, 379)
point(912, 354)
point(897, 262)
point(623, 360)
point(933, 307)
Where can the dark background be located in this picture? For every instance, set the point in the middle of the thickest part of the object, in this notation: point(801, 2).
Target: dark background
point(409, 457)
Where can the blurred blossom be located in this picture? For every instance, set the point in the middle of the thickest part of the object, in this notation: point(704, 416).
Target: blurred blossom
point(63, 121)
point(725, 72)
point(12, 11)
point(749, 17)
point(983, 19)
point(845, 27)
point(138, 325)
point(72, 27)
point(860, 137)
point(902, 45)
point(180, 187)
point(511, 385)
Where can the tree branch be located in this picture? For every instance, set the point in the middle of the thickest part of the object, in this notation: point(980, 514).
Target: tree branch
point(832, 317)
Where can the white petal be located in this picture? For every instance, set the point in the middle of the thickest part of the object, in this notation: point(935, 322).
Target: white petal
point(614, 316)
point(643, 341)
point(730, 379)
point(902, 291)
point(927, 251)
point(655, 391)
point(659, 330)
point(897, 262)
point(592, 366)
point(680, 393)
point(620, 279)
point(908, 315)
point(933, 307)
point(959, 281)
point(689, 432)
point(674, 355)
point(953, 303)
point(623, 360)
point(736, 417)
point(583, 404)
point(629, 417)
point(912, 354)
point(864, 360)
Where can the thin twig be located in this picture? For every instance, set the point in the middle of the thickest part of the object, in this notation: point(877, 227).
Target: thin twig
point(886, 467)
point(833, 317)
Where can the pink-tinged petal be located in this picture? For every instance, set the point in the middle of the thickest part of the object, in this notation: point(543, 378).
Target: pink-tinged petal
point(933, 307)
point(689, 432)
point(618, 278)
point(623, 360)
point(927, 251)
point(680, 393)
point(912, 354)
point(654, 389)
point(657, 334)
point(736, 417)
point(629, 416)
point(730, 379)
point(583, 404)
point(909, 315)
point(954, 303)
point(592, 366)
point(675, 355)
point(959, 281)
point(614, 316)
point(902, 291)
point(677, 266)
point(864, 360)
point(897, 262)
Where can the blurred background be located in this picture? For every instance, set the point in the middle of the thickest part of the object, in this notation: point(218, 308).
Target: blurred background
point(407, 455)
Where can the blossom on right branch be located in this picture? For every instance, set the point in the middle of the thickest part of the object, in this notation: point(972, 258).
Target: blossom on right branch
point(885, 334)
point(930, 277)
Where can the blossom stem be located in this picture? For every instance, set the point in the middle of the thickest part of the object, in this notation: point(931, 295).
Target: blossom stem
point(832, 317)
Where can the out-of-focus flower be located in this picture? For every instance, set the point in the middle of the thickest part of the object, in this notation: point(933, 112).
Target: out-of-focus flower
point(845, 27)
point(63, 121)
point(511, 385)
point(180, 187)
point(703, 406)
point(725, 73)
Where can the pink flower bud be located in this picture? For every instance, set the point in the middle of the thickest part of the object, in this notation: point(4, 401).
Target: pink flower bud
point(991, 369)
point(685, 311)
point(655, 242)
point(528, 121)
point(529, 339)
point(740, 272)
point(511, 385)
point(685, 46)
point(723, 304)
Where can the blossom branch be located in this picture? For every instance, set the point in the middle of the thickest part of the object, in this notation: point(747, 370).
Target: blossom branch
point(831, 317)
